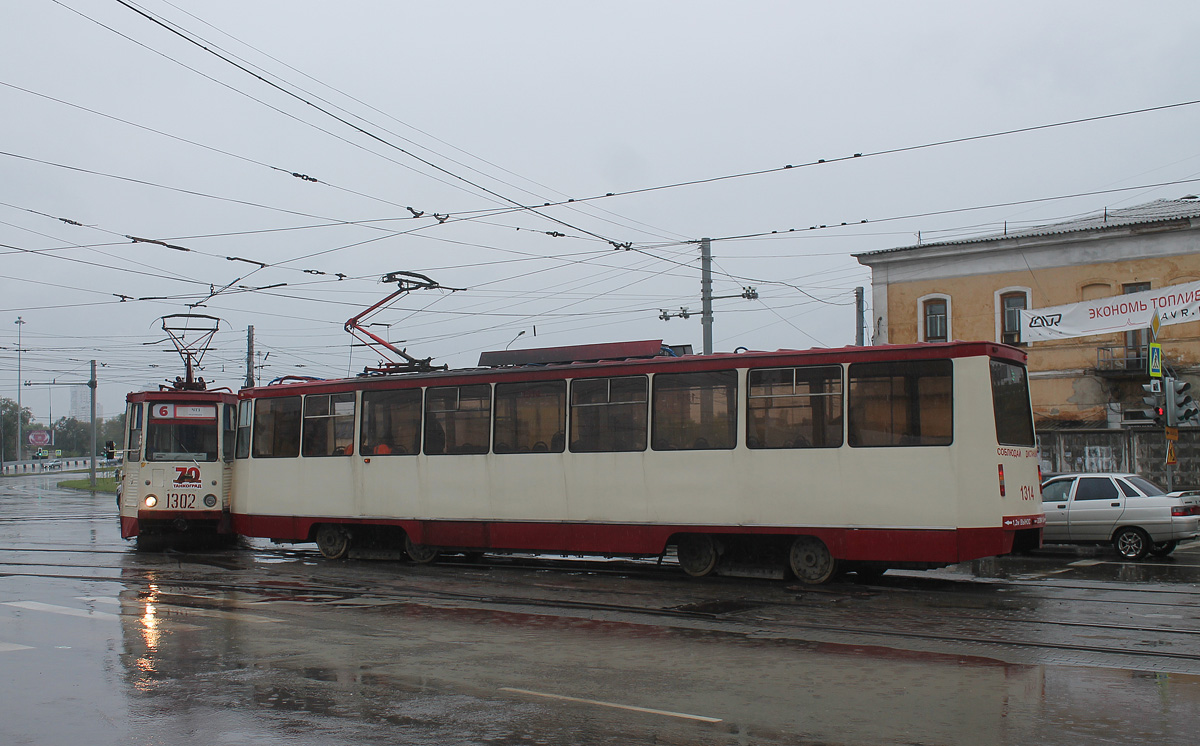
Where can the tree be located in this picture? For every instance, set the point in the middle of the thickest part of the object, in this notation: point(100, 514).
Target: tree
point(8, 426)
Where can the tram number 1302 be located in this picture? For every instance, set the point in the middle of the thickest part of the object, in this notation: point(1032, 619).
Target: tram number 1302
point(180, 500)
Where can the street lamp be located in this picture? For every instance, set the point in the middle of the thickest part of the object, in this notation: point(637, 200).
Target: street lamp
point(20, 323)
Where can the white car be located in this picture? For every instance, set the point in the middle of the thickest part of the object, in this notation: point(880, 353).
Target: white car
point(1130, 512)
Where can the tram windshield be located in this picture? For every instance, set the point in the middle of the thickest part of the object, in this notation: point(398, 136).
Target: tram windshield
point(182, 433)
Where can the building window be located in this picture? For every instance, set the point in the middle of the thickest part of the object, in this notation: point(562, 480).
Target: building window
point(934, 315)
point(1009, 304)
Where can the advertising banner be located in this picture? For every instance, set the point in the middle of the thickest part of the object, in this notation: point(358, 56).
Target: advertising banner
point(40, 437)
point(1118, 313)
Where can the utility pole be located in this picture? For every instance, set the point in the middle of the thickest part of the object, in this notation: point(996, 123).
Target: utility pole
point(20, 323)
point(859, 316)
point(91, 383)
point(706, 299)
point(250, 356)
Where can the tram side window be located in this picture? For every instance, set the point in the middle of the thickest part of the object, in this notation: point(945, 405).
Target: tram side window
point(902, 403)
point(531, 417)
point(609, 414)
point(457, 419)
point(328, 425)
point(391, 422)
point(228, 431)
point(133, 441)
point(694, 411)
point(1010, 401)
point(276, 427)
point(795, 408)
point(244, 418)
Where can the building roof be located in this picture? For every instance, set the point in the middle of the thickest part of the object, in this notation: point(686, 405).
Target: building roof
point(1158, 211)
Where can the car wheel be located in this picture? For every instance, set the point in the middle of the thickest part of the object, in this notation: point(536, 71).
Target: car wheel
point(1132, 543)
point(1163, 548)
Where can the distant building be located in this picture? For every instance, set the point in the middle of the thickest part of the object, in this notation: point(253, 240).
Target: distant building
point(975, 289)
point(81, 404)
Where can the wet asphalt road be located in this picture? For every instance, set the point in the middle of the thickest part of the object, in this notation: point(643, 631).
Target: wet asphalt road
point(101, 644)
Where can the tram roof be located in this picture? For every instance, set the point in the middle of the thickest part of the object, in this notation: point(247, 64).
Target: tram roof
point(179, 395)
point(662, 362)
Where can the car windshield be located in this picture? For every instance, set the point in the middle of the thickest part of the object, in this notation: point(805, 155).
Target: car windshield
point(1146, 486)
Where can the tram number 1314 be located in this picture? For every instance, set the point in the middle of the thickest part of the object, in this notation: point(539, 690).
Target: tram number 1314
point(180, 500)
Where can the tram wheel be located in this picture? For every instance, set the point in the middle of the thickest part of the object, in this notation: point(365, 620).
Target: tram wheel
point(811, 560)
point(422, 554)
point(1132, 543)
point(333, 541)
point(697, 554)
point(1163, 548)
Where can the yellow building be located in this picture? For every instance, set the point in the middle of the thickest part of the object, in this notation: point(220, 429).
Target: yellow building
point(974, 289)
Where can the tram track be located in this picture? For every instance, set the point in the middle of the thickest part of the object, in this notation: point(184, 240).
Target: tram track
point(734, 623)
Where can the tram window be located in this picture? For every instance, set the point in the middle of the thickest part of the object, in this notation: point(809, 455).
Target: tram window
point(328, 425)
point(531, 417)
point(1010, 400)
point(391, 422)
point(133, 441)
point(276, 427)
point(901, 403)
point(694, 411)
point(170, 437)
point(609, 414)
point(457, 419)
point(245, 417)
point(794, 408)
point(228, 431)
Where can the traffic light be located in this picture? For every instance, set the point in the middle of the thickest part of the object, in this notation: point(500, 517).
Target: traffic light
point(1155, 401)
point(1180, 406)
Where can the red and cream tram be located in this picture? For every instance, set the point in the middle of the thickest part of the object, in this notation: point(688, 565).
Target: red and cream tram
point(857, 459)
point(178, 452)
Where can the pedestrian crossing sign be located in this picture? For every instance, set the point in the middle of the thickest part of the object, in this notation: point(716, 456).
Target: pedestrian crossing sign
point(1155, 360)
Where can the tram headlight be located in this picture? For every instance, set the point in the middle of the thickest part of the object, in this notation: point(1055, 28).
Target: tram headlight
point(151, 501)
point(210, 501)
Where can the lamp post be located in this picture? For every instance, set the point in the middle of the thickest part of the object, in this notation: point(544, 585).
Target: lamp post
point(20, 323)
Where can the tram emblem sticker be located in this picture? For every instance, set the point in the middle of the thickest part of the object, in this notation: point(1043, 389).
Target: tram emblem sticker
point(187, 476)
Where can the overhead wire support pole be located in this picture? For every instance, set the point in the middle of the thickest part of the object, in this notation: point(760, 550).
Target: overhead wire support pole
point(91, 383)
point(706, 299)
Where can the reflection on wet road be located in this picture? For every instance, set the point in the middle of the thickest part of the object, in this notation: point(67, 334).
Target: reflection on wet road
point(269, 645)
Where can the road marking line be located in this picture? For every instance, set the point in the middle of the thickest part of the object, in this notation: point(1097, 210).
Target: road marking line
point(64, 610)
point(8, 647)
point(1086, 563)
point(598, 703)
point(218, 613)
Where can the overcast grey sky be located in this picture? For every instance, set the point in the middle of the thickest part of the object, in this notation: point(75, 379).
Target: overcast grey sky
point(534, 102)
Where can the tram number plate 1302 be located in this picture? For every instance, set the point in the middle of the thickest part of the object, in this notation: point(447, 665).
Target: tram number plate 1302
point(181, 500)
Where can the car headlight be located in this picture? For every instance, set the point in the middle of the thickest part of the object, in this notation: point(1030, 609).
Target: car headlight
point(151, 501)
